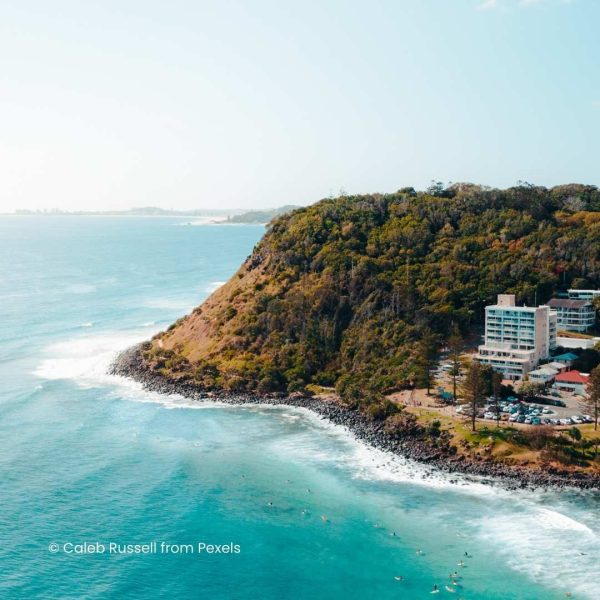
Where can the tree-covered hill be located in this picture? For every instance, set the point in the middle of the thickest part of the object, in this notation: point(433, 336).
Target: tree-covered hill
point(341, 292)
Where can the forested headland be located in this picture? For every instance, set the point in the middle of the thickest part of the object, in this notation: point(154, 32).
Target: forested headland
point(352, 291)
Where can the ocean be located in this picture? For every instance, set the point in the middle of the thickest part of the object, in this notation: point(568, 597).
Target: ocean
point(108, 491)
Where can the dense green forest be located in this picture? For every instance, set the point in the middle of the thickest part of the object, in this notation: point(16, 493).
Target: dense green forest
point(344, 291)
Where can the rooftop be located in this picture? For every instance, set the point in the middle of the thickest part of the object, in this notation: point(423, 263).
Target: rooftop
point(567, 303)
point(566, 356)
point(572, 377)
point(544, 371)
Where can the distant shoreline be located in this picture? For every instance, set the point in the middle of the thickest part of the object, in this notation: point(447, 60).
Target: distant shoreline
point(217, 218)
point(131, 364)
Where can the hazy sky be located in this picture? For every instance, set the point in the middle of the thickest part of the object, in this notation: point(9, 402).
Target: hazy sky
point(194, 104)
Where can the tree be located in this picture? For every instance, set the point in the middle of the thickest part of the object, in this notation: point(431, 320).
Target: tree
point(473, 389)
point(591, 402)
point(427, 358)
point(455, 345)
point(575, 434)
point(595, 442)
point(496, 394)
point(530, 389)
point(588, 359)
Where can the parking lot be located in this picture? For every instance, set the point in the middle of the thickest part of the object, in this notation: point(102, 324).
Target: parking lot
point(515, 412)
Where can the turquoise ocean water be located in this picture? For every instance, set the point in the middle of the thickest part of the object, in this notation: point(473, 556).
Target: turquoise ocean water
point(90, 458)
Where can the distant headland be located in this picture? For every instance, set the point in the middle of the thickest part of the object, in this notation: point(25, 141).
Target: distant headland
point(233, 215)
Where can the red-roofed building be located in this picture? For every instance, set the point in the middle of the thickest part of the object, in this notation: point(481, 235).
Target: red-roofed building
point(571, 381)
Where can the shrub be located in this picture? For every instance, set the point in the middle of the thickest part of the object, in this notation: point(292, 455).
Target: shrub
point(434, 429)
point(297, 385)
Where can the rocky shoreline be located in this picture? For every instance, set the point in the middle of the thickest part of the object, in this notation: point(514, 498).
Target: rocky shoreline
point(131, 364)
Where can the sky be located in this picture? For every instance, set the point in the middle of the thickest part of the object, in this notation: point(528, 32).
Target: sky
point(259, 103)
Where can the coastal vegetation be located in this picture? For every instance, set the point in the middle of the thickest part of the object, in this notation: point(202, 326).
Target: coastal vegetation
point(537, 448)
point(361, 292)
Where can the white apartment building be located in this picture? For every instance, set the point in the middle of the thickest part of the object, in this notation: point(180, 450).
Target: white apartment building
point(573, 314)
point(517, 338)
